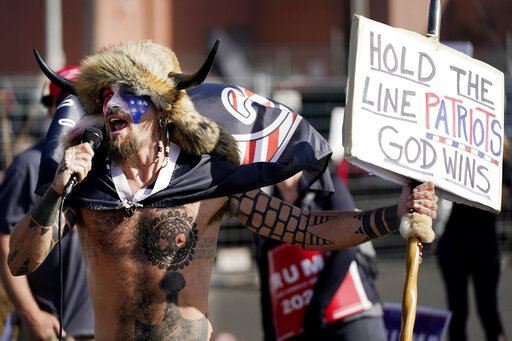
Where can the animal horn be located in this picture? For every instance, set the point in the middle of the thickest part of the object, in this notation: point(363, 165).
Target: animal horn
point(63, 83)
point(189, 80)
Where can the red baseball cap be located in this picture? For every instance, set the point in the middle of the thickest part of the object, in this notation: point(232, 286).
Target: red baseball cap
point(69, 72)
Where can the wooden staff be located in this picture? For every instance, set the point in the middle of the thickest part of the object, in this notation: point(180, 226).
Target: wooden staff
point(410, 294)
point(416, 228)
point(420, 229)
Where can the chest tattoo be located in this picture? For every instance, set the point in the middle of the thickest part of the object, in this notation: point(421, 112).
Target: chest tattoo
point(173, 326)
point(169, 241)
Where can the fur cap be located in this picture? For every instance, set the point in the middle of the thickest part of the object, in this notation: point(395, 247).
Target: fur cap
point(145, 67)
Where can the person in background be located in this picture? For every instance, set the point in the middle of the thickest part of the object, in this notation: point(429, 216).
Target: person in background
point(36, 297)
point(365, 324)
point(468, 247)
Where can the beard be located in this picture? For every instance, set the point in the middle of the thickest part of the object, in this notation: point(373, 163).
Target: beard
point(123, 151)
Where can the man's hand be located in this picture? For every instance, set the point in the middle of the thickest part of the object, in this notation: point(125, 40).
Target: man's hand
point(422, 199)
point(41, 326)
point(77, 159)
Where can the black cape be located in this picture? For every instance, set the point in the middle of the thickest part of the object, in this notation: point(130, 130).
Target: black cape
point(276, 143)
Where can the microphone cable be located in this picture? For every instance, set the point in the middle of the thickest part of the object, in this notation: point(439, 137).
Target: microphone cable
point(61, 280)
point(94, 137)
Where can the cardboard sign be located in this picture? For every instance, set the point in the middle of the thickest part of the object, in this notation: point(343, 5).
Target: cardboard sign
point(417, 109)
point(293, 273)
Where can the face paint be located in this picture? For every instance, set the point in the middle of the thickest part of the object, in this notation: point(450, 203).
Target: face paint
point(124, 100)
point(107, 95)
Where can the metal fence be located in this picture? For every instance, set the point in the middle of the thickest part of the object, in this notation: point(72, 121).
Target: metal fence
point(368, 191)
point(23, 121)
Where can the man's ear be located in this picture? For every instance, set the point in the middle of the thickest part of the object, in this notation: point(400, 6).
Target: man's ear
point(162, 121)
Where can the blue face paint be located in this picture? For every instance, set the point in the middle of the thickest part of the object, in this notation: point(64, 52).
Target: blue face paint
point(137, 105)
point(123, 99)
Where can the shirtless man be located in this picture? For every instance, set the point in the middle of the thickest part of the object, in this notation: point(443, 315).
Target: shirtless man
point(149, 268)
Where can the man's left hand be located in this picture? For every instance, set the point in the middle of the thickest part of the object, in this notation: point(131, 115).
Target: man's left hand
point(422, 199)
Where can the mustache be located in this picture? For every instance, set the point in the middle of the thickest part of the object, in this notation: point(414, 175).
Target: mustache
point(114, 111)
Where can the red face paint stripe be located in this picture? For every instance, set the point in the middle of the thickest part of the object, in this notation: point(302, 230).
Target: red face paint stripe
point(106, 95)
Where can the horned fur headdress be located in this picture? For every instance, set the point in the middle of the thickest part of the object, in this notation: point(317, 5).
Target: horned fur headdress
point(151, 70)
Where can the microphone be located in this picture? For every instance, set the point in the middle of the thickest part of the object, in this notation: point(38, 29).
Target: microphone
point(93, 136)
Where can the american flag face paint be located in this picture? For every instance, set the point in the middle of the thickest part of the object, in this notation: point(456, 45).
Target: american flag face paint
point(122, 98)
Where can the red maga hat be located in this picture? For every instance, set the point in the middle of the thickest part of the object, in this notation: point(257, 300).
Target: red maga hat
point(69, 72)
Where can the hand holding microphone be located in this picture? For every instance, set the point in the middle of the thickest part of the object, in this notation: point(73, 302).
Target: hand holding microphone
point(93, 137)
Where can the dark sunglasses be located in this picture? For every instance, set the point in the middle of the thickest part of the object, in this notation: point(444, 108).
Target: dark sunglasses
point(48, 100)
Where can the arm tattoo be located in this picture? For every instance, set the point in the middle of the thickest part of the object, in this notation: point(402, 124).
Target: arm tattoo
point(378, 223)
point(43, 220)
point(46, 210)
point(23, 270)
point(279, 220)
point(11, 256)
point(53, 227)
point(62, 168)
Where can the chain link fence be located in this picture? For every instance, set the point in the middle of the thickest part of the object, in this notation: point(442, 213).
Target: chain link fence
point(23, 121)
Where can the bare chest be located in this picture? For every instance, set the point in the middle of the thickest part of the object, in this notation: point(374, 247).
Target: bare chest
point(149, 273)
point(168, 239)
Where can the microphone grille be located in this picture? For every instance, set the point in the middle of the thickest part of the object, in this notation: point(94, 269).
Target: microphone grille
point(94, 136)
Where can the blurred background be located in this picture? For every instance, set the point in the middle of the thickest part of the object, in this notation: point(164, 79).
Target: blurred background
point(295, 51)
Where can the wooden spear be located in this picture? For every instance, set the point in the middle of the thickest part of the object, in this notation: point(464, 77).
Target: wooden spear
point(415, 227)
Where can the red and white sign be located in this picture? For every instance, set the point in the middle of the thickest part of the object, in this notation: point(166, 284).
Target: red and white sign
point(293, 274)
